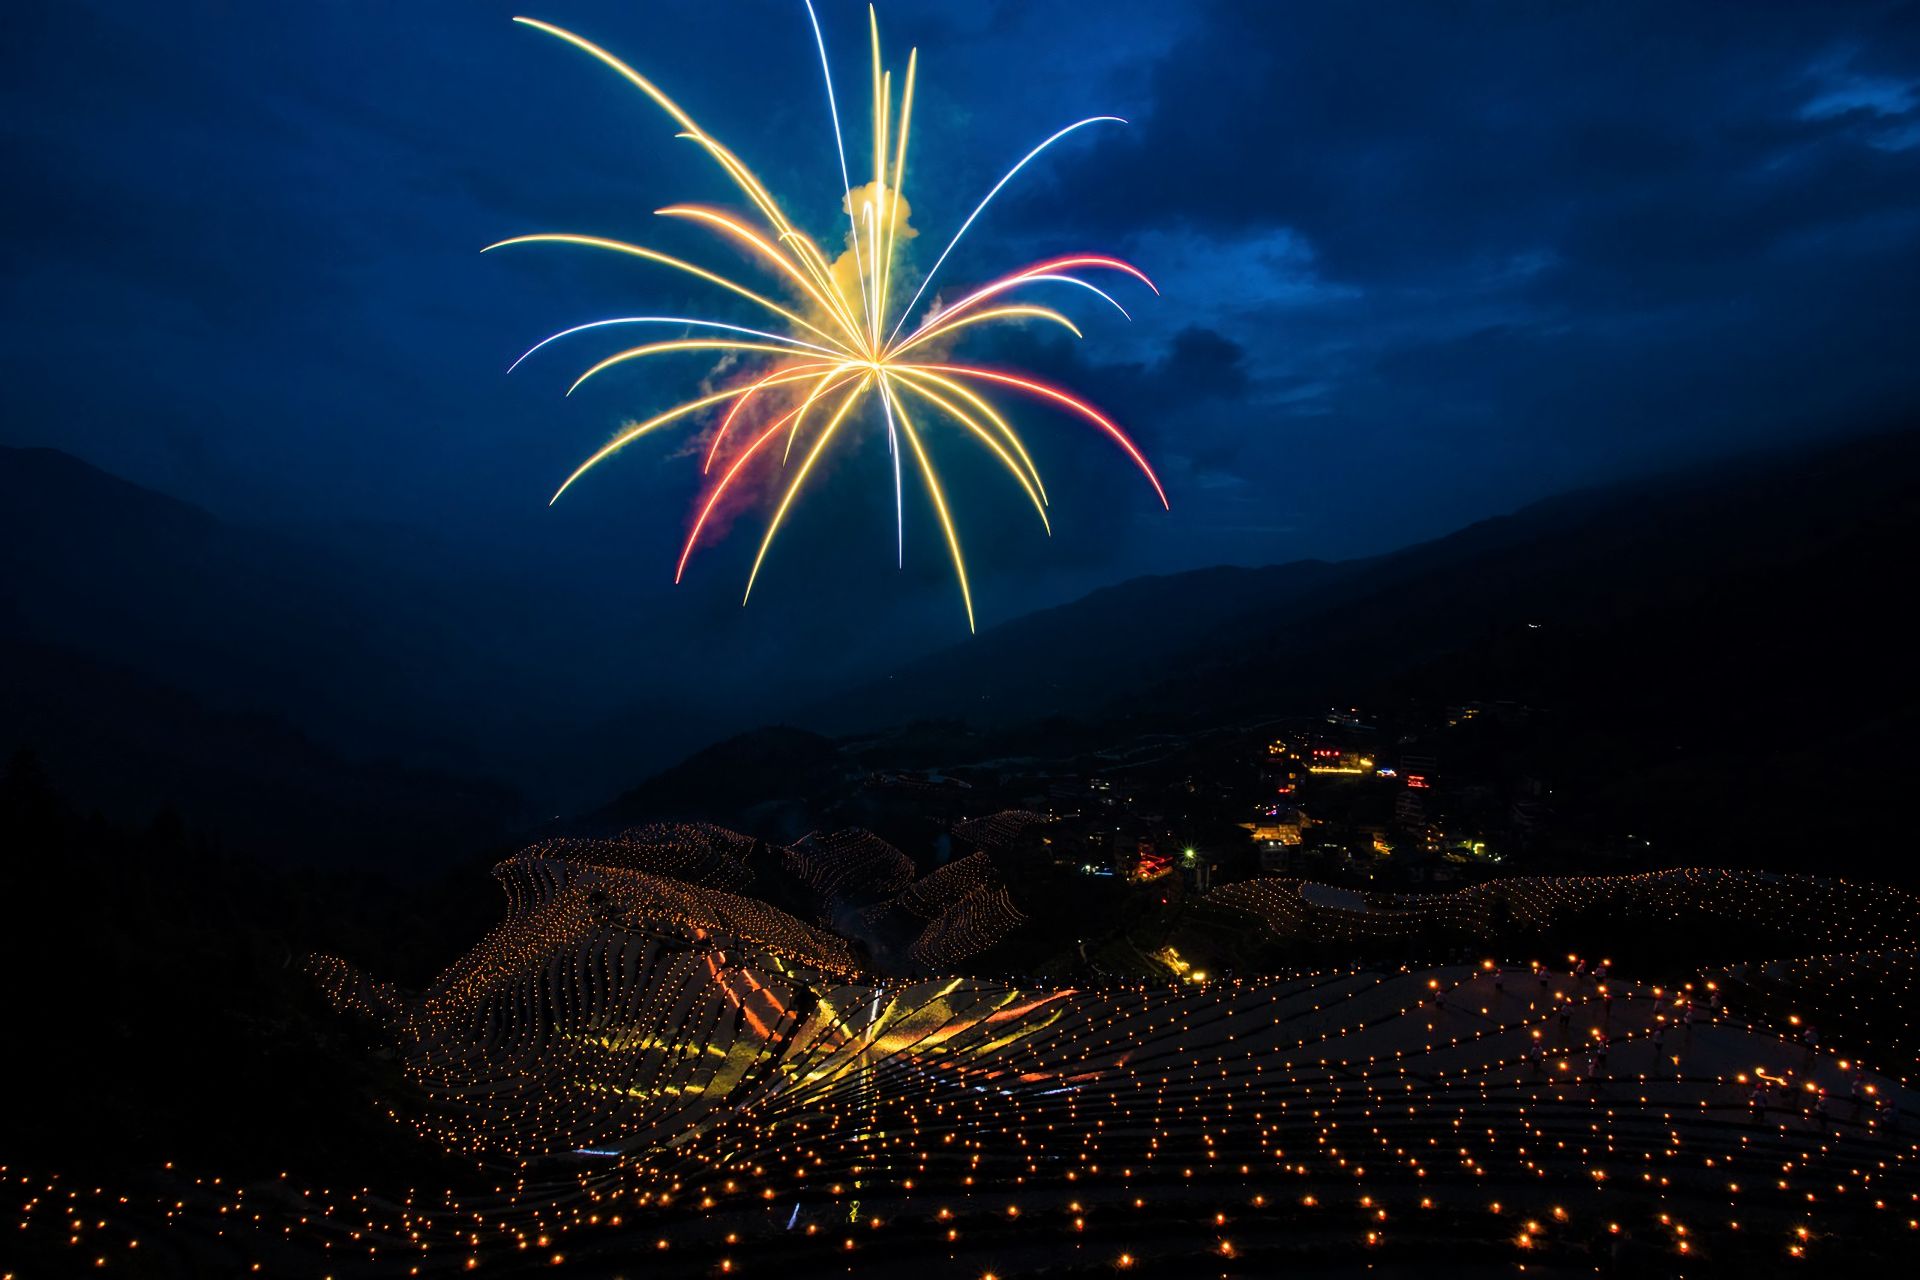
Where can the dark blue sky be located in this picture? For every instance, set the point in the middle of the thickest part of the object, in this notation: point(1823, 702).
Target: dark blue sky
point(1421, 263)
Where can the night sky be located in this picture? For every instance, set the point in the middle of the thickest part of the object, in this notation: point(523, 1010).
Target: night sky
point(1421, 264)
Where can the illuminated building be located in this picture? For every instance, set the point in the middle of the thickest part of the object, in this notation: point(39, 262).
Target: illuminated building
point(1339, 761)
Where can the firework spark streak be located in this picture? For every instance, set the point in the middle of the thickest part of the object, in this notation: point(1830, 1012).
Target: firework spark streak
point(836, 346)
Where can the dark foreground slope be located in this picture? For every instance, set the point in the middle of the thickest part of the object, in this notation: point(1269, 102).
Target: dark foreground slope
point(158, 1006)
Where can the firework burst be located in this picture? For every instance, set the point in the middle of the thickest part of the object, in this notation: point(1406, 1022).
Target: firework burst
point(836, 346)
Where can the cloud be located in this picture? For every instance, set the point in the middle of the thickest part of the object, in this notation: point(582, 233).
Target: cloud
point(1419, 262)
point(1497, 251)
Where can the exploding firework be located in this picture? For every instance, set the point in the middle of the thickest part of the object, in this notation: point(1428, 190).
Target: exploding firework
point(840, 345)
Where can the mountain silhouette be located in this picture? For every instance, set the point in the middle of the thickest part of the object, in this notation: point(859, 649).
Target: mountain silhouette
point(1700, 578)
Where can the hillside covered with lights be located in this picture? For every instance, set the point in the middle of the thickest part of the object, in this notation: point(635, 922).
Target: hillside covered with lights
point(647, 1058)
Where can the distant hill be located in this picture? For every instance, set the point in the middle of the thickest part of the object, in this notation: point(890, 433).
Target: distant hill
point(778, 783)
point(133, 750)
point(387, 648)
point(1819, 542)
point(1741, 613)
point(1716, 656)
point(1093, 656)
point(238, 617)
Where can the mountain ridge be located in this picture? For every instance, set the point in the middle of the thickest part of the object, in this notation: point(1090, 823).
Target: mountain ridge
point(1708, 522)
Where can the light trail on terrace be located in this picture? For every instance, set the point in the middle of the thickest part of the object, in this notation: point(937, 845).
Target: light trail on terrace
point(837, 353)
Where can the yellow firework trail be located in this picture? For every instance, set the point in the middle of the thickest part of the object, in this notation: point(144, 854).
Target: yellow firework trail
point(840, 327)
